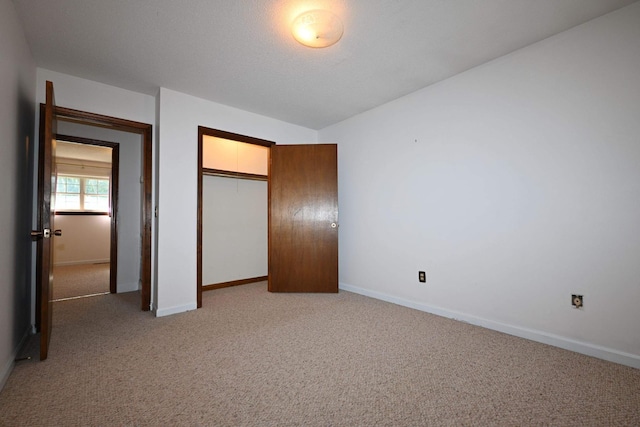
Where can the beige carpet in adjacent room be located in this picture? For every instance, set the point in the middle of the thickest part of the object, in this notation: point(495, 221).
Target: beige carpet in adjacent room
point(83, 279)
point(252, 358)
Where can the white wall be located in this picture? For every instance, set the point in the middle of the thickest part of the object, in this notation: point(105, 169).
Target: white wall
point(180, 115)
point(85, 239)
point(85, 95)
point(17, 108)
point(513, 185)
point(234, 229)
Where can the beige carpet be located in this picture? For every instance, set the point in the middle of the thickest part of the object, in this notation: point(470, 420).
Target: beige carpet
point(251, 358)
point(77, 280)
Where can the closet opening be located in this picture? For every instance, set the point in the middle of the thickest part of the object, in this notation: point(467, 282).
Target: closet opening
point(232, 236)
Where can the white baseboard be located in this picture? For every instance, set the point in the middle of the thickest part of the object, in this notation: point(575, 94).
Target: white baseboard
point(86, 261)
point(161, 312)
point(9, 364)
point(588, 349)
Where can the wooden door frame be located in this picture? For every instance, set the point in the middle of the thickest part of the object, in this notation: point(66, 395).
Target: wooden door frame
point(145, 130)
point(202, 132)
point(114, 193)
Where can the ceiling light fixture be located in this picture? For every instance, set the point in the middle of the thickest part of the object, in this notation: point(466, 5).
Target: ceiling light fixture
point(317, 28)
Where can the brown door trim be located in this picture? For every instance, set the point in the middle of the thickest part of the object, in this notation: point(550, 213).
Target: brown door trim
point(115, 173)
point(202, 131)
point(214, 286)
point(145, 130)
point(40, 218)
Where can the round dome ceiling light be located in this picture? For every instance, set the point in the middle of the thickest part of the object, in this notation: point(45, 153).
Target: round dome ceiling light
point(317, 28)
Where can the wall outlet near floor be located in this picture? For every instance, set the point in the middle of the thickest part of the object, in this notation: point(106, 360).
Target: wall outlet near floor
point(577, 301)
point(422, 276)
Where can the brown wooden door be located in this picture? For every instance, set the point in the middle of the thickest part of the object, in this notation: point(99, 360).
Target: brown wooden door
point(45, 232)
point(303, 218)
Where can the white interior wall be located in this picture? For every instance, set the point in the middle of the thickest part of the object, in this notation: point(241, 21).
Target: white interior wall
point(17, 108)
point(86, 95)
point(85, 239)
point(180, 116)
point(514, 185)
point(234, 229)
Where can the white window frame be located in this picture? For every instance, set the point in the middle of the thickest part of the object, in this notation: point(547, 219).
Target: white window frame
point(83, 184)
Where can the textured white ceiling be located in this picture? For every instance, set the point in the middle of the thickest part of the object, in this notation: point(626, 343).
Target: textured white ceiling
point(241, 53)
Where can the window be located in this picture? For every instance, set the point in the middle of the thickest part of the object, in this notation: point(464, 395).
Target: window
point(84, 194)
point(68, 193)
point(96, 195)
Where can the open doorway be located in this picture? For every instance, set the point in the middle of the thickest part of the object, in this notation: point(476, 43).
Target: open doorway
point(86, 208)
point(116, 227)
point(143, 132)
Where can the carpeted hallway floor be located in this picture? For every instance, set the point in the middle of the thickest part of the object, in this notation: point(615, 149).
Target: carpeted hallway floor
point(77, 280)
point(252, 358)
